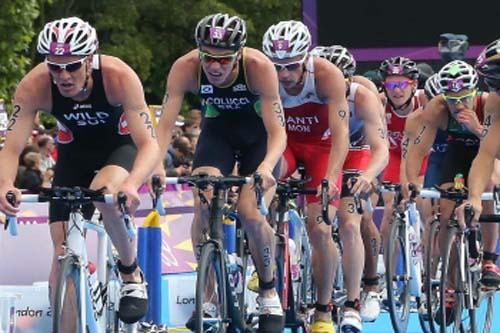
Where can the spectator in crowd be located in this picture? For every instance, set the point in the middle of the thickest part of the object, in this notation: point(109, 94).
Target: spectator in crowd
point(32, 179)
point(46, 147)
point(191, 127)
point(194, 115)
point(179, 157)
point(193, 138)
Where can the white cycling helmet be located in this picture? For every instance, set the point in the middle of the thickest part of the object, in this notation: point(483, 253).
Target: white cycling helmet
point(67, 36)
point(431, 86)
point(456, 76)
point(286, 39)
point(339, 56)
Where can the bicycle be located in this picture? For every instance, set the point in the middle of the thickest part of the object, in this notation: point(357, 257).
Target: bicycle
point(462, 246)
point(293, 297)
point(403, 262)
point(226, 313)
point(96, 300)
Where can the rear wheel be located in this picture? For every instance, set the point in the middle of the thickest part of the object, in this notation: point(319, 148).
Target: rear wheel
point(432, 276)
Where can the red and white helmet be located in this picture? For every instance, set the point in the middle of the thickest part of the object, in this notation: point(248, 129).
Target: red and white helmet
point(286, 39)
point(67, 36)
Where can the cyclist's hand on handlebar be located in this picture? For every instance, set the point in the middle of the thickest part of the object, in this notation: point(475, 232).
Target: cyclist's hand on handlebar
point(362, 185)
point(477, 208)
point(266, 173)
point(160, 172)
point(132, 197)
point(333, 190)
point(6, 207)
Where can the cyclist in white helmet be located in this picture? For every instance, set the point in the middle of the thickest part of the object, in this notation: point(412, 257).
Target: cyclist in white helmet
point(368, 155)
point(104, 126)
point(459, 111)
point(313, 94)
point(242, 112)
point(486, 161)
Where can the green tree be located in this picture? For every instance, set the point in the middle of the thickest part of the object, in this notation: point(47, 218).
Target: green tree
point(16, 29)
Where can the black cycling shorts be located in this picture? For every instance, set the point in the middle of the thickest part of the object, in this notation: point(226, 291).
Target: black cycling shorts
point(458, 159)
point(79, 169)
point(220, 141)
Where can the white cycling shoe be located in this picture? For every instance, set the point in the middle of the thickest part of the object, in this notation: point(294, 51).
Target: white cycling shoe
point(370, 306)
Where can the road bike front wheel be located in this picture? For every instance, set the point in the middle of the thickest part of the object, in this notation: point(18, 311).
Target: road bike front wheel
point(397, 277)
point(67, 297)
point(211, 300)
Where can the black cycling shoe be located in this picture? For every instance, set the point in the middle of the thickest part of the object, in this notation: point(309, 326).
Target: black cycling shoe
point(209, 311)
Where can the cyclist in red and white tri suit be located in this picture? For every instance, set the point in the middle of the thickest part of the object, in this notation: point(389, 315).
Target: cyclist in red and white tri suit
point(312, 91)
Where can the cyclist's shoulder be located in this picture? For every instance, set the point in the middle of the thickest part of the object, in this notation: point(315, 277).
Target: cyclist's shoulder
point(185, 71)
point(35, 86)
point(365, 82)
point(113, 68)
point(255, 61)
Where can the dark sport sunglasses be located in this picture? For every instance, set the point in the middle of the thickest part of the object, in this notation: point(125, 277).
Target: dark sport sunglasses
point(224, 59)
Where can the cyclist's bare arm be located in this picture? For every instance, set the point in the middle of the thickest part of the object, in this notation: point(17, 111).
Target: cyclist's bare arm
point(30, 96)
point(483, 164)
point(123, 87)
point(367, 83)
point(410, 133)
point(181, 79)
point(433, 117)
point(375, 129)
point(330, 85)
point(263, 81)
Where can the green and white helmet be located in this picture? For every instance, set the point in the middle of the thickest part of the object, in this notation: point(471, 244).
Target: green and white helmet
point(456, 76)
point(431, 86)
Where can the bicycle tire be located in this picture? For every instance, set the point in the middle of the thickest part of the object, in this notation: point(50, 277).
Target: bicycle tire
point(211, 262)
point(459, 323)
point(67, 267)
point(431, 281)
point(398, 289)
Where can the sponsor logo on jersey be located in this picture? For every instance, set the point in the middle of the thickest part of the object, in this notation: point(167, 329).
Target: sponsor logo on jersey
point(64, 134)
point(84, 118)
point(228, 103)
point(123, 125)
point(82, 106)
point(301, 124)
point(395, 139)
point(240, 87)
point(207, 89)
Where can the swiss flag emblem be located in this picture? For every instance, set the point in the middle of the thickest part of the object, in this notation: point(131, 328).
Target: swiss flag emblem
point(64, 134)
point(123, 125)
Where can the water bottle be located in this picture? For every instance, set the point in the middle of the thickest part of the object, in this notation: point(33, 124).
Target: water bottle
point(235, 268)
point(229, 228)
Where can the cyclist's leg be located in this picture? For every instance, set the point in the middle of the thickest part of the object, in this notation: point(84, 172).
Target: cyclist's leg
point(113, 173)
point(353, 257)
point(490, 271)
